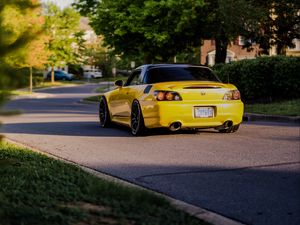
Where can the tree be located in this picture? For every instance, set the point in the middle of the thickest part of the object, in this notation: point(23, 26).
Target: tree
point(156, 30)
point(19, 26)
point(225, 20)
point(65, 37)
point(162, 29)
point(34, 53)
point(36, 56)
point(279, 26)
point(15, 33)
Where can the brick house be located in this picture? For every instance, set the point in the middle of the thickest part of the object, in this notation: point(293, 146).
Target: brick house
point(235, 52)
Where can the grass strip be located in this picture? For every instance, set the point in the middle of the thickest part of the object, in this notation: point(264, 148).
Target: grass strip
point(102, 89)
point(282, 108)
point(57, 84)
point(95, 98)
point(46, 84)
point(35, 189)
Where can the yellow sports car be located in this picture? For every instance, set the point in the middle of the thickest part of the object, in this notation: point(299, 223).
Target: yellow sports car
point(175, 96)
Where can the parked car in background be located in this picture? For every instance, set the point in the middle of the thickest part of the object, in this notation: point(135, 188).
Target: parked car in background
point(92, 74)
point(175, 96)
point(61, 75)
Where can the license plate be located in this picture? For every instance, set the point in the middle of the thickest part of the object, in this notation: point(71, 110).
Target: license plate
point(203, 112)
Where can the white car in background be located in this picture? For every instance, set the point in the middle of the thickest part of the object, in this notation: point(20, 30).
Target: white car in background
point(92, 74)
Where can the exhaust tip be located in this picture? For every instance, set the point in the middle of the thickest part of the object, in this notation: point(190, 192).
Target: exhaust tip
point(228, 123)
point(175, 126)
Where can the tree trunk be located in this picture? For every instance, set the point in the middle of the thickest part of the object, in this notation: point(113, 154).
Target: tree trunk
point(281, 49)
point(30, 79)
point(147, 59)
point(221, 49)
point(52, 74)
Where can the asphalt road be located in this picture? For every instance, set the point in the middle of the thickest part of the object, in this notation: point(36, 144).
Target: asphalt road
point(252, 176)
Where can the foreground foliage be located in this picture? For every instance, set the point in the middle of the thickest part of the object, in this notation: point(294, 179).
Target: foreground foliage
point(19, 25)
point(35, 189)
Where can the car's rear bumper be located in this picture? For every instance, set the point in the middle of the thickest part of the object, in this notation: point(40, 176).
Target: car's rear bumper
point(163, 114)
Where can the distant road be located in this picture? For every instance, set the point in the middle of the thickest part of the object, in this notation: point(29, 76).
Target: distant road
point(251, 176)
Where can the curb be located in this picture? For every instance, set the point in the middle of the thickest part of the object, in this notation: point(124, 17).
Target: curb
point(195, 211)
point(270, 118)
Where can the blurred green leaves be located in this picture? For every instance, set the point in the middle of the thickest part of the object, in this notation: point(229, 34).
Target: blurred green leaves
point(16, 31)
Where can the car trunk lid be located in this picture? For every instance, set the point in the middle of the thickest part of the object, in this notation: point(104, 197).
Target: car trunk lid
point(199, 90)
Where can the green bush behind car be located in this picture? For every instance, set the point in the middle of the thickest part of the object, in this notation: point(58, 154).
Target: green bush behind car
point(263, 79)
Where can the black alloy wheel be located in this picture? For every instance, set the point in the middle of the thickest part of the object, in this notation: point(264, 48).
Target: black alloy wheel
point(137, 120)
point(104, 116)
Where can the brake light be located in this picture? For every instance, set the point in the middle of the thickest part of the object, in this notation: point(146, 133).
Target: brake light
point(167, 96)
point(232, 95)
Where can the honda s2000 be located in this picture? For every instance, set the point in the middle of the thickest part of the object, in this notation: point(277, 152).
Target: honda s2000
point(174, 96)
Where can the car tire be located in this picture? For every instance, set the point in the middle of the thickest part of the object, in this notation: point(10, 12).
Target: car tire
point(104, 115)
point(231, 129)
point(137, 120)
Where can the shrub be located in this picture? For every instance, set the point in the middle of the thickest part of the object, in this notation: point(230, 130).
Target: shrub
point(38, 78)
point(264, 78)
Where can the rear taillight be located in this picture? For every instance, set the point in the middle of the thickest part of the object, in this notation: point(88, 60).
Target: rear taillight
point(232, 95)
point(167, 96)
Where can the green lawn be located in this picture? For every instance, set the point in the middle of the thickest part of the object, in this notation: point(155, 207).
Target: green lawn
point(58, 83)
point(284, 108)
point(35, 189)
point(94, 98)
point(103, 89)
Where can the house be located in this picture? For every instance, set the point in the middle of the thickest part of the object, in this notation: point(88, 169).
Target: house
point(235, 51)
point(294, 51)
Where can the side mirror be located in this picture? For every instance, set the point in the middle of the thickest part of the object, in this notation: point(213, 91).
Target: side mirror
point(119, 83)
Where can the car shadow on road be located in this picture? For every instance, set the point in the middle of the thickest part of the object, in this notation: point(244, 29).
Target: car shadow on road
point(88, 129)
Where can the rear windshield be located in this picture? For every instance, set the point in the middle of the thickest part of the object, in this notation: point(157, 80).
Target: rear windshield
point(166, 74)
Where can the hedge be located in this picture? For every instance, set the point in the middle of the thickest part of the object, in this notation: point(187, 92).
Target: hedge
point(264, 78)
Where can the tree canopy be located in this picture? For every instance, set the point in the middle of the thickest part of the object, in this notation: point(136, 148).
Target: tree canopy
point(279, 26)
point(63, 28)
point(66, 39)
point(160, 29)
point(157, 30)
point(225, 20)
